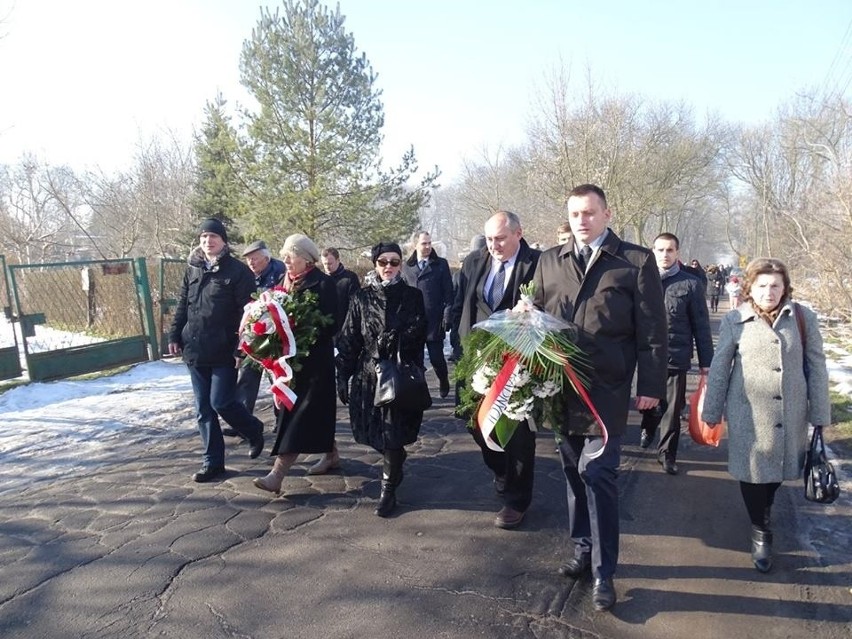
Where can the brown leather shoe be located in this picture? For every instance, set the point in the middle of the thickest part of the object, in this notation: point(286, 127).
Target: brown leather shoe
point(508, 518)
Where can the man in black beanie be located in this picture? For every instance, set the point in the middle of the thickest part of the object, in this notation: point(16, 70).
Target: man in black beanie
point(216, 287)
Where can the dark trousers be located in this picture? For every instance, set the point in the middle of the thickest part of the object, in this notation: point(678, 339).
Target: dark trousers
point(248, 386)
point(714, 302)
point(435, 348)
point(516, 465)
point(215, 394)
point(593, 499)
point(758, 499)
point(670, 420)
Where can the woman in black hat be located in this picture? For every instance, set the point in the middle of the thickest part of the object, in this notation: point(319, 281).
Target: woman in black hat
point(384, 317)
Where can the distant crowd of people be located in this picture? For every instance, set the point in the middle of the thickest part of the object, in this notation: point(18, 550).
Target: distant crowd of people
point(638, 313)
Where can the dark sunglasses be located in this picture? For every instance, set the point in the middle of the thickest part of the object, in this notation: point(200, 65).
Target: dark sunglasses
point(384, 262)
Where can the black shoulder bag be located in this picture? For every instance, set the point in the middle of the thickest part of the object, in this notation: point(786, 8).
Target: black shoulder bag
point(401, 385)
point(821, 483)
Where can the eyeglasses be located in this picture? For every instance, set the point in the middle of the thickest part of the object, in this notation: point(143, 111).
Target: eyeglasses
point(384, 262)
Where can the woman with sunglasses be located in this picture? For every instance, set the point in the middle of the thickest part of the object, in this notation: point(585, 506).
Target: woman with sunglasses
point(385, 317)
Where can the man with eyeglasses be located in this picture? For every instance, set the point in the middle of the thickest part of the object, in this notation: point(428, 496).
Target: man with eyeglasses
point(425, 270)
point(490, 280)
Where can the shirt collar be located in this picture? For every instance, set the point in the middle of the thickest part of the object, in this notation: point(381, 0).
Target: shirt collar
point(595, 244)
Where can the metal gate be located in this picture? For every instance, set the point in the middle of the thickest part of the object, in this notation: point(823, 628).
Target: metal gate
point(80, 317)
point(166, 281)
point(10, 358)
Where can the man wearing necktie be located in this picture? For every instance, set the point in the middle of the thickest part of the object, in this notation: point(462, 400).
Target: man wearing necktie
point(611, 291)
point(425, 270)
point(489, 281)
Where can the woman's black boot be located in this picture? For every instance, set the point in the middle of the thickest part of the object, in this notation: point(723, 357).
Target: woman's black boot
point(761, 549)
point(391, 478)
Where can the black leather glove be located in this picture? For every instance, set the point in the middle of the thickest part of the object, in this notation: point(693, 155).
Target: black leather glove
point(343, 390)
point(386, 344)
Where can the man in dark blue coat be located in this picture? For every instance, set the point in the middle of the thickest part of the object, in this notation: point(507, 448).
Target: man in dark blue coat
point(611, 291)
point(431, 274)
point(216, 287)
point(688, 323)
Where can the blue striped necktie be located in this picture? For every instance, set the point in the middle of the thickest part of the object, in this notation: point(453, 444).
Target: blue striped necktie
point(495, 293)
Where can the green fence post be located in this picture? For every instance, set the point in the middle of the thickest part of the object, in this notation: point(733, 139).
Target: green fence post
point(143, 286)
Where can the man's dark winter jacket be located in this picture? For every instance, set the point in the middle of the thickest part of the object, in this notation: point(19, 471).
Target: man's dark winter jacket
point(436, 284)
point(209, 310)
point(347, 284)
point(687, 315)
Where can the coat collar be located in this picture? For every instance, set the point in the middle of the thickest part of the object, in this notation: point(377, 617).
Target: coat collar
point(412, 260)
point(747, 314)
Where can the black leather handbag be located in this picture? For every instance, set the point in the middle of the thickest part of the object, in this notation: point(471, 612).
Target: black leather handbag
point(821, 483)
point(401, 385)
point(387, 380)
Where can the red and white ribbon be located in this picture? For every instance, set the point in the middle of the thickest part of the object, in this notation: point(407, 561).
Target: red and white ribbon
point(279, 369)
point(494, 403)
point(581, 391)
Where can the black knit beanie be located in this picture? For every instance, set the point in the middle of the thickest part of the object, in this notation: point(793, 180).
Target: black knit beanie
point(385, 247)
point(212, 225)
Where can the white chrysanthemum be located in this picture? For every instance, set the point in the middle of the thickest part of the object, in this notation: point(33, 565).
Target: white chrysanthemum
point(481, 380)
point(519, 410)
point(547, 388)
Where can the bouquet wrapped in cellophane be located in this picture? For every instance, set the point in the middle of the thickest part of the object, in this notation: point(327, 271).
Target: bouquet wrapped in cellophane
point(276, 332)
point(514, 367)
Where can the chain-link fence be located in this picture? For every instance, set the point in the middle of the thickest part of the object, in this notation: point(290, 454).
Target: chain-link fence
point(66, 309)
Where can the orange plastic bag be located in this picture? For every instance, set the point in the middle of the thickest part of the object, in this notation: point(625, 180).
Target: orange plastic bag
point(701, 433)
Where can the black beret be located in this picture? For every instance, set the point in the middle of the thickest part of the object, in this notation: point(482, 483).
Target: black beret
point(385, 247)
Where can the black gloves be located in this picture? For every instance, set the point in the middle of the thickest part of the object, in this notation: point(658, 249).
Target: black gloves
point(343, 390)
point(386, 345)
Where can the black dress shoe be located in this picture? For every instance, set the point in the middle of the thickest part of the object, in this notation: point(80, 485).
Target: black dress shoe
point(576, 566)
point(256, 445)
point(444, 387)
point(603, 594)
point(208, 473)
point(669, 465)
point(644, 439)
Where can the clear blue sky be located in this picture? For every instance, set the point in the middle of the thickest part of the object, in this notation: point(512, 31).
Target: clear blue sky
point(82, 80)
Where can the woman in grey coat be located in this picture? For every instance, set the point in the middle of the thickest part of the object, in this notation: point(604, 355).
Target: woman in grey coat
point(758, 377)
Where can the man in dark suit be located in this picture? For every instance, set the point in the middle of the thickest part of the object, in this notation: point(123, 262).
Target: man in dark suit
point(425, 270)
point(611, 291)
point(489, 282)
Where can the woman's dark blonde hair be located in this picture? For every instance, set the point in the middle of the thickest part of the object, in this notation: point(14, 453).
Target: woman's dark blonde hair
point(762, 266)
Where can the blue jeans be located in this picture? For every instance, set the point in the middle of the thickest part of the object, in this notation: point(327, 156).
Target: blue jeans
point(215, 392)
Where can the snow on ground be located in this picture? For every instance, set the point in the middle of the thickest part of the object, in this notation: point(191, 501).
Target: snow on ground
point(55, 428)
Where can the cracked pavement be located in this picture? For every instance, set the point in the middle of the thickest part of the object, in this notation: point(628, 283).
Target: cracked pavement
point(133, 548)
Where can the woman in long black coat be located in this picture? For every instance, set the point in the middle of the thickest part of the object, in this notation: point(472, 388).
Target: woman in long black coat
point(384, 316)
point(309, 426)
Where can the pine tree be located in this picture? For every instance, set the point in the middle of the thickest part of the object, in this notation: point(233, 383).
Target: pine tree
point(219, 190)
point(311, 151)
